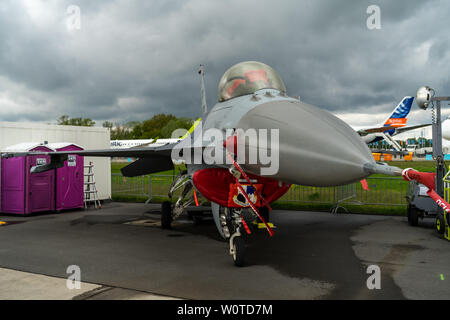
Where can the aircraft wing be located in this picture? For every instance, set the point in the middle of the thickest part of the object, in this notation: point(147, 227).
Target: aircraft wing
point(136, 152)
point(393, 152)
point(398, 130)
point(151, 159)
point(364, 132)
point(403, 129)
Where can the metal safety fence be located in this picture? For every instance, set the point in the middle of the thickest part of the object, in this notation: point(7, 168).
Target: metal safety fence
point(382, 191)
point(143, 186)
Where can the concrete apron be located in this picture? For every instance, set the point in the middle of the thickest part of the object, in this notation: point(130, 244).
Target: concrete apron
point(18, 285)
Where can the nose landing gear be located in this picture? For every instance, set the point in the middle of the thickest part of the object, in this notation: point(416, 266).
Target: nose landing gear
point(230, 223)
point(237, 249)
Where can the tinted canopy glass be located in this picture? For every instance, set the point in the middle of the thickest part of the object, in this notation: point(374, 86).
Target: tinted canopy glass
point(248, 77)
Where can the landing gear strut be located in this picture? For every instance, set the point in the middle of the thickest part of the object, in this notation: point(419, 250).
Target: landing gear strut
point(231, 224)
point(169, 212)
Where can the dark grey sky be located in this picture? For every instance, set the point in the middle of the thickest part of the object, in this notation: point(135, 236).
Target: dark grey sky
point(132, 59)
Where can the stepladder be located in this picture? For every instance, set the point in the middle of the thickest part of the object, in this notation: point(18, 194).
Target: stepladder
point(90, 188)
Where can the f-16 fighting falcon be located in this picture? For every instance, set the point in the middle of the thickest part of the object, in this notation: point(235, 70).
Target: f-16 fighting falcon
point(248, 150)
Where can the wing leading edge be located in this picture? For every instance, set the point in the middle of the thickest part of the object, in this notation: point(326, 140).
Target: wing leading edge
point(151, 159)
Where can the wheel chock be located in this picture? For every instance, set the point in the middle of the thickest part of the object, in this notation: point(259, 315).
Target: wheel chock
point(263, 226)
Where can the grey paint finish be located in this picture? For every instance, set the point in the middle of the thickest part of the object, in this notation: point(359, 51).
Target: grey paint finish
point(226, 115)
point(316, 148)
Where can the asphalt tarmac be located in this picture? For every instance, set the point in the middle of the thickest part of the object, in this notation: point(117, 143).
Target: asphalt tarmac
point(313, 255)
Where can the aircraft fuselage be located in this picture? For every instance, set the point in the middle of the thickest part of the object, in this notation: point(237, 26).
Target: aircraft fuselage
point(313, 147)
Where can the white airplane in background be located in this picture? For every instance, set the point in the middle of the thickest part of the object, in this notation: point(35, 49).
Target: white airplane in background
point(138, 143)
point(394, 124)
point(124, 144)
point(446, 129)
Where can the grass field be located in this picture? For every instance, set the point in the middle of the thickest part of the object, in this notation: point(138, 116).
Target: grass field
point(425, 166)
point(386, 195)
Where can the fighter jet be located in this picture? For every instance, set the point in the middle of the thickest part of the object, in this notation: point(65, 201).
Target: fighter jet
point(296, 143)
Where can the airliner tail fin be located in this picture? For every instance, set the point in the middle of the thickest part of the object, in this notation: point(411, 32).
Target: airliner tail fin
point(398, 117)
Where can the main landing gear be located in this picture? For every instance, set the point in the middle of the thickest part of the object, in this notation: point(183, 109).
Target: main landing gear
point(169, 212)
point(166, 215)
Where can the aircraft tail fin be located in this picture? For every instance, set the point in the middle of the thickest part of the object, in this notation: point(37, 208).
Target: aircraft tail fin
point(398, 117)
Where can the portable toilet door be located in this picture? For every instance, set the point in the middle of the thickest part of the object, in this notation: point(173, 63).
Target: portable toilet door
point(23, 192)
point(69, 187)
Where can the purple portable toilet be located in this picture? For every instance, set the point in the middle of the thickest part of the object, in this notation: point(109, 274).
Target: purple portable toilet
point(23, 192)
point(69, 186)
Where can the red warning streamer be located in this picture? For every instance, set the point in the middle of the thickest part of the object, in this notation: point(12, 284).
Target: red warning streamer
point(364, 184)
point(195, 197)
point(255, 210)
point(237, 166)
point(427, 179)
point(245, 226)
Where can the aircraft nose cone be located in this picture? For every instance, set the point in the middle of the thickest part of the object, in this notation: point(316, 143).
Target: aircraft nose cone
point(315, 147)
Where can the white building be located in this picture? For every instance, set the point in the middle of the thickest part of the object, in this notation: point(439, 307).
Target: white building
point(12, 133)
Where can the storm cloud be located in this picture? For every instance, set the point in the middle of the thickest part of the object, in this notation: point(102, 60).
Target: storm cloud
point(133, 59)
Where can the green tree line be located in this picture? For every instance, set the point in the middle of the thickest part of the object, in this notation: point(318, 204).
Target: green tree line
point(65, 120)
point(159, 126)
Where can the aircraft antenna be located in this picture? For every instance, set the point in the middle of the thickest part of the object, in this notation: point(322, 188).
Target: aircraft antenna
point(203, 91)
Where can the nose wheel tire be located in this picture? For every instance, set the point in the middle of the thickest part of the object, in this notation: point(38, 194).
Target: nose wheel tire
point(238, 251)
point(166, 215)
point(440, 223)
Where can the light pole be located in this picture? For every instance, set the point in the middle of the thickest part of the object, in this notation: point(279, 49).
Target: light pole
point(425, 97)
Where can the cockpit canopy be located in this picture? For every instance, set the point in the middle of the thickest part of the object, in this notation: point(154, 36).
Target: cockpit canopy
point(246, 78)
